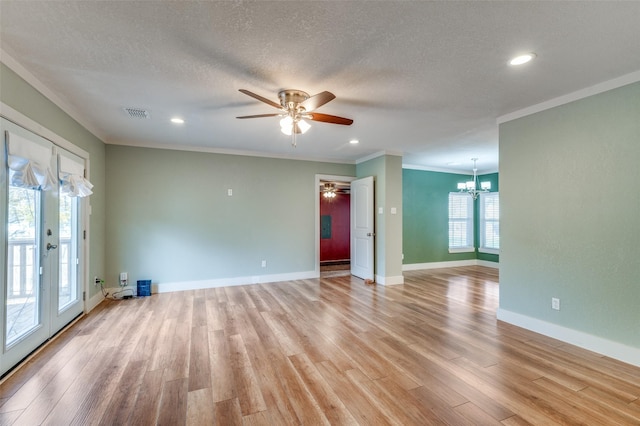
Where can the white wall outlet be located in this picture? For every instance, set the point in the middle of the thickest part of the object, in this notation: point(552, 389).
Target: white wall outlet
point(264, 263)
point(394, 210)
point(229, 192)
point(555, 303)
point(380, 210)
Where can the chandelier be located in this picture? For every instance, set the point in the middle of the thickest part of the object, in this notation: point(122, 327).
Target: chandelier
point(329, 190)
point(473, 187)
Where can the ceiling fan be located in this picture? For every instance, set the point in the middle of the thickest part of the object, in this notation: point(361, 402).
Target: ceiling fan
point(296, 106)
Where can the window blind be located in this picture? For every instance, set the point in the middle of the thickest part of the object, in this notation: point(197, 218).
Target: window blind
point(29, 163)
point(460, 222)
point(71, 175)
point(490, 221)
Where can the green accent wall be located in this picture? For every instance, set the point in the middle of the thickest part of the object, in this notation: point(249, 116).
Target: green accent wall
point(426, 216)
point(573, 232)
point(19, 95)
point(170, 218)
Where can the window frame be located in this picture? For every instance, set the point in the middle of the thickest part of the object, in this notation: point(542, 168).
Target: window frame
point(469, 220)
point(483, 221)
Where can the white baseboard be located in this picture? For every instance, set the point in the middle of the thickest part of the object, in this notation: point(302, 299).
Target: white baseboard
point(488, 264)
point(590, 342)
point(389, 280)
point(93, 302)
point(227, 282)
point(449, 264)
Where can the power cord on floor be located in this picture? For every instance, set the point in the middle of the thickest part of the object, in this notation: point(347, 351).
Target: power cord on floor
point(117, 295)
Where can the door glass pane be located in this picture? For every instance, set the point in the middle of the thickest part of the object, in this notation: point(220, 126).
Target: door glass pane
point(68, 279)
point(23, 291)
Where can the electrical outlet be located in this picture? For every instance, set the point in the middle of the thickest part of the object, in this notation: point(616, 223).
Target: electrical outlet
point(555, 303)
point(96, 281)
point(123, 276)
point(264, 263)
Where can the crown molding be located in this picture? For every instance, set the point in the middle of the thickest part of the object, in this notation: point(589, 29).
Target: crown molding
point(32, 80)
point(376, 155)
point(194, 148)
point(445, 170)
point(435, 169)
point(605, 86)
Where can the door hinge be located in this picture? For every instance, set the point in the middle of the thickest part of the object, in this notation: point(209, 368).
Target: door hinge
point(84, 234)
point(84, 296)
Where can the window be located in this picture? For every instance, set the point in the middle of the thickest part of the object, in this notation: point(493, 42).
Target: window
point(489, 223)
point(460, 223)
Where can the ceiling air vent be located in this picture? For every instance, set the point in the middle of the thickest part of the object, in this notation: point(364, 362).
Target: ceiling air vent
point(137, 112)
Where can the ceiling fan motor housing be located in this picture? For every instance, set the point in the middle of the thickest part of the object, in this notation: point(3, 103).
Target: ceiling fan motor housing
point(298, 105)
point(290, 99)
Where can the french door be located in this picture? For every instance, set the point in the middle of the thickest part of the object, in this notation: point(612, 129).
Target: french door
point(41, 290)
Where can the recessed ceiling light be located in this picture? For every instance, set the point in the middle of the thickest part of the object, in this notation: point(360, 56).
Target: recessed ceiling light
point(522, 59)
point(176, 120)
point(354, 141)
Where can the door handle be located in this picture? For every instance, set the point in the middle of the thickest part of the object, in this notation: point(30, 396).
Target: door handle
point(51, 246)
point(370, 234)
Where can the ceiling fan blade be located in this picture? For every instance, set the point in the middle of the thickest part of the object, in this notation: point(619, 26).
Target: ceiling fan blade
point(326, 118)
point(259, 116)
point(316, 101)
point(261, 99)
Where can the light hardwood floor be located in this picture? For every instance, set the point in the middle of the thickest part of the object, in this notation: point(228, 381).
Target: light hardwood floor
point(322, 351)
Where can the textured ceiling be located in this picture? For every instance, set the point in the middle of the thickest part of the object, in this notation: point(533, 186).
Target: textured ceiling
point(425, 79)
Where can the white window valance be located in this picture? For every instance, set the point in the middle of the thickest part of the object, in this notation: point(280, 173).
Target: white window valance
point(29, 163)
point(71, 175)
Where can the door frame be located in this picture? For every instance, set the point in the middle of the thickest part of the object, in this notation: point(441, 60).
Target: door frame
point(316, 191)
point(20, 120)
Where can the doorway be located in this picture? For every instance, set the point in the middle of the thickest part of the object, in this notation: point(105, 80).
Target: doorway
point(41, 256)
point(333, 198)
point(335, 252)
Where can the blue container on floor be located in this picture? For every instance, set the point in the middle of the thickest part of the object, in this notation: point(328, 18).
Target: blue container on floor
point(144, 288)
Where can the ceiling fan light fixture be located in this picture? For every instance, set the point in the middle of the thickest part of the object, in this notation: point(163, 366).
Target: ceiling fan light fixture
point(303, 126)
point(295, 107)
point(286, 125)
point(329, 190)
point(286, 122)
point(287, 130)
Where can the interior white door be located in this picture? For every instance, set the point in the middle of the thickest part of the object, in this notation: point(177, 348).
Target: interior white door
point(362, 228)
